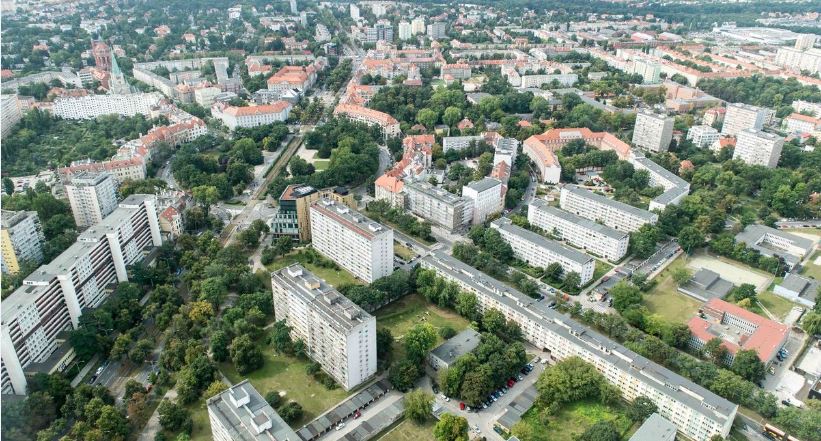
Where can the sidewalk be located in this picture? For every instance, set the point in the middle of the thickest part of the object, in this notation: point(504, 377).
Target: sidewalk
point(152, 426)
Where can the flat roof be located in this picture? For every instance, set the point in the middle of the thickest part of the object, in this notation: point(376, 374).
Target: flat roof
point(655, 428)
point(353, 220)
point(542, 205)
point(753, 234)
point(10, 218)
point(540, 241)
point(338, 311)
point(242, 421)
point(435, 192)
point(587, 194)
point(662, 379)
point(805, 287)
point(457, 346)
point(484, 184)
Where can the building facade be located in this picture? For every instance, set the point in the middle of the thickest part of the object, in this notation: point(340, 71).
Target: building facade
point(354, 242)
point(338, 334)
point(614, 214)
point(252, 116)
point(741, 116)
point(593, 237)
point(486, 197)
point(702, 135)
point(653, 132)
point(452, 212)
point(388, 124)
point(539, 251)
point(92, 106)
point(240, 413)
point(92, 197)
point(54, 296)
point(21, 238)
point(758, 148)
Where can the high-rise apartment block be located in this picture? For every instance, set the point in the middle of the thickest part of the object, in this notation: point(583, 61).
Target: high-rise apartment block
point(758, 148)
point(240, 413)
point(355, 11)
point(653, 132)
point(486, 197)
point(55, 295)
point(805, 41)
point(418, 25)
point(338, 334)
point(799, 60)
point(21, 239)
point(437, 30)
point(593, 237)
point(92, 196)
point(697, 413)
point(354, 242)
point(405, 30)
point(452, 212)
point(382, 31)
point(539, 251)
point(599, 208)
point(743, 116)
point(702, 135)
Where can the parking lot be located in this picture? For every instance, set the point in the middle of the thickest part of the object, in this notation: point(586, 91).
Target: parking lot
point(775, 378)
point(484, 419)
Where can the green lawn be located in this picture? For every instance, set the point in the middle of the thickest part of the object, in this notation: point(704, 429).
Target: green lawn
point(321, 164)
point(665, 300)
point(400, 316)
point(287, 374)
point(811, 269)
point(778, 306)
point(407, 430)
point(573, 419)
point(601, 269)
point(201, 427)
point(404, 252)
point(336, 278)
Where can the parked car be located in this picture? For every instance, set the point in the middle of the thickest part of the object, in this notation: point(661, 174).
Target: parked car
point(461, 406)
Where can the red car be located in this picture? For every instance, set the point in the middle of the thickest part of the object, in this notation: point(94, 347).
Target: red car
point(357, 414)
point(462, 406)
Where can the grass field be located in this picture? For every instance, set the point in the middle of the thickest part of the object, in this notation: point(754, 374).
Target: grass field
point(811, 269)
point(286, 374)
point(403, 314)
point(601, 269)
point(573, 419)
point(334, 277)
point(403, 252)
point(665, 300)
point(201, 426)
point(407, 430)
point(778, 306)
point(321, 164)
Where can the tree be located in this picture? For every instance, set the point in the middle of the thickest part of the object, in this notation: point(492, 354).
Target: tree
point(812, 322)
point(427, 117)
point(569, 380)
point(419, 340)
point(418, 405)
point(747, 364)
point(682, 276)
point(216, 387)
point(300, 167)
point(205, 195)
point(625, 294)
point(290, 412)
point(554, 271)
point(572, 281)
point(384, 343)
point(643, 242)
point(245, 354)
point(281, 338)
point(601, 431)
point(403, 374)
point(8, 186)
point(715, 350)
point(219, 345)
point(141, 350)
point(742, 292)
point(690, 238)
point(121, 346)
point(172, 415)
point(641, 408)
point(273, 398)
point(113, 423)
point(451, 116)
point(451, 428)
point(466, 305)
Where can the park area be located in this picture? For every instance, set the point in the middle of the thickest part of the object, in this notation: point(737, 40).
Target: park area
point(403, 314)
point(573, 419)
point(407, 430)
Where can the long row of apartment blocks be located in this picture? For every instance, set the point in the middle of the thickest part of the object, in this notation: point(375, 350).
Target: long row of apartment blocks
point(52, 299)
point(697, 413)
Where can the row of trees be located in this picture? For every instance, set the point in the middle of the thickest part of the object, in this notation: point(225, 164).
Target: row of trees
point(382, 211)
point(216, 162)
point(382, 291)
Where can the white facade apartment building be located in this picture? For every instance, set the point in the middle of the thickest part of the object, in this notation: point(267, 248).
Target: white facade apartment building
point(486, 197)
point(697, 413)
point(21, 239)
point(539, 251)
point(598, 208)
point(593, 237)
point(741, 116)
point(758, 148)
point(806, 106)
point(92, 106)
point(653, 132)
point(799, 123)
point(54, 296)
point(10, 114)
point(354, 242)
point(418, 25)
point(121, 169)
point(241, 413)
point(459, 142)
point(702, 135)
point(92, 197)
point(799, 60)
point(388, 124)
point(204, 96)
point(338, 334)
point(675, 188)
point(405, 31)
point(252, 116)
point(452, 212)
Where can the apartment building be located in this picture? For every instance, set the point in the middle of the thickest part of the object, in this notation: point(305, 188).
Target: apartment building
point(459, 142)
point(486, 198)
point(54, 296)
point(697, 413)
point(388, 124)
point(799, 123)
point(675, 188)
point(338, 334)
point(741, 116)
point(452, 212)
point(92, 196)
point(758, 148)
point(92, 106)
point(807, 107)
point(240, 413)
point(21, 239)
point(418, 25)
point(205, 96)
point(799, 60)
point(539, 251)
point(437, 30)
point(287, 78)
point(771, 242)
point(593, 237)
point(10, 114)
point(405, 31)
point(121, 169)
point(599, 208)
point(251, 116)
point(458, 71)
point(739, 329)
point(702, 135)
point(381, 31)
point(544, 158)
point(354, 242)
point(653, 132)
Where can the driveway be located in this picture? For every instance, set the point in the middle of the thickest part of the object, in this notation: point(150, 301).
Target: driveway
point(375, 409)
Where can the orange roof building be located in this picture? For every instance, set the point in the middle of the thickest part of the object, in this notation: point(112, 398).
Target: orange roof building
point(388, 124)
point(293, 77)
point(541, 148)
